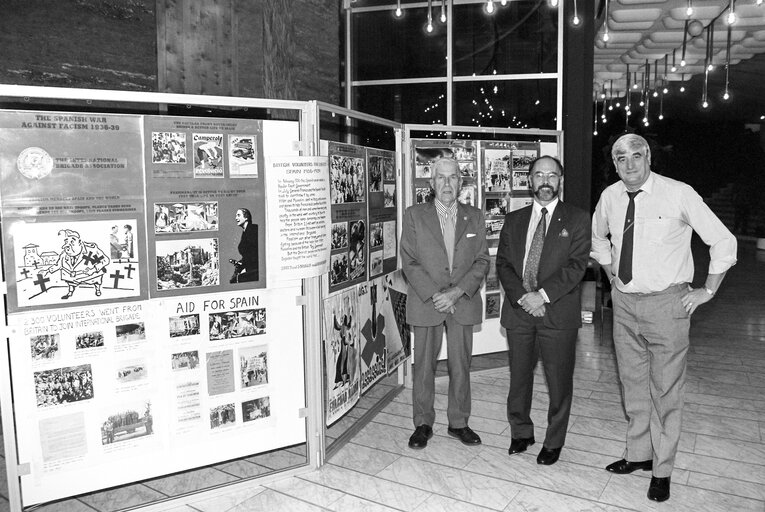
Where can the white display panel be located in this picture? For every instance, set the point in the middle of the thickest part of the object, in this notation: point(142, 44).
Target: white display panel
point(110, 394)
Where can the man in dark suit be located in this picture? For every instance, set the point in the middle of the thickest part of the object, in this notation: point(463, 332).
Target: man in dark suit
point(445, 259)
point(542, 255)
point(246, 269)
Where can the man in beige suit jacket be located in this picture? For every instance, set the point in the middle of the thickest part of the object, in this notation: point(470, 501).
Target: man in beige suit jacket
point(445, 259)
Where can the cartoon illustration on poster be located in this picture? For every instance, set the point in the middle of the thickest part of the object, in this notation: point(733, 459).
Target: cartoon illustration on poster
point(341, 353)
point(348, 194)
point(64, 263)
point(397, 345)
point(208, 155)
point(72, 208)
point(373, 332)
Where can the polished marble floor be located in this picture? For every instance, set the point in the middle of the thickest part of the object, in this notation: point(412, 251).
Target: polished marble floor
point(720, 465)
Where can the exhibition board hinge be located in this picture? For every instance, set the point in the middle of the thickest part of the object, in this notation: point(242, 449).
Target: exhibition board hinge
point(301, 300)
point(23, 469)
point(303, 412)
point(3, 287)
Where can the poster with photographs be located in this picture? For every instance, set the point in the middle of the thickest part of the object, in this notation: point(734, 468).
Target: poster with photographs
point(372, 328)
point(65, 263)
point(349, 189)
point(72, 208)
point(428, 151)
point(397, 333)
point(208, 235)
point(243, 156)
point(208, 155)
point(382, 211)
point(341, 353)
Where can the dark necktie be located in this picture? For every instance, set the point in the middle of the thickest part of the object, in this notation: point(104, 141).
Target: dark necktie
point(625, 259)
point(535, 251)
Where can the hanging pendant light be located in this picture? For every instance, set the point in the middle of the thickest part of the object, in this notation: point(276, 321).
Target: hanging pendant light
point(429, 25)
point(726, 94)
point(685, 42)
point(398, 12)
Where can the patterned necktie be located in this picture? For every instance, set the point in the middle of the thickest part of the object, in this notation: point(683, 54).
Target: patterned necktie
point(535, 252)
point(625, 258)
point(449, 239)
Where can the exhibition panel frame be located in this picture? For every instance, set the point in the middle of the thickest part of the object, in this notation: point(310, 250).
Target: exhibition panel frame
point(126, 341)
point(494, 164)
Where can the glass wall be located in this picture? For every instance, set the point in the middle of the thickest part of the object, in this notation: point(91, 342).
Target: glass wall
point(474, 69)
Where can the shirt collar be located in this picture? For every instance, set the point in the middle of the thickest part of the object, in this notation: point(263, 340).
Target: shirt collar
point(646, 187)
point(550, 207)
point(443, 210)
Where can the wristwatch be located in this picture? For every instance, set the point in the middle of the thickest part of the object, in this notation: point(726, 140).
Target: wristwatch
point(710, 291)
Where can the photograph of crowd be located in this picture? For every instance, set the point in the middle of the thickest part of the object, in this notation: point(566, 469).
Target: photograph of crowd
point(89, 340)
point(347, 175)
point(131, 372)
point(495, 207)
point(521, 180)
point(187, 263)
point(222, 415)
point(184, 325)
point(357, 249)
point(185, 217)
point(339, 268)
point(375, 263)
point(185, 360)
point(339, 235)
point(44, 346)
point(64, 385)
point(253, 366)
point(237, 324)
point(424, 195)
point(493, 308)
point(522, 158)
point(168, 148)
point(130, 332)
point(389, 195)
point(467, 194)
point(256, 409)
point(467, 169)
point(376, 234)
point(375, 173)
point(128, 424)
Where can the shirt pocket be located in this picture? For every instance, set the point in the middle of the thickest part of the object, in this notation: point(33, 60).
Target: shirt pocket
point(661, 230)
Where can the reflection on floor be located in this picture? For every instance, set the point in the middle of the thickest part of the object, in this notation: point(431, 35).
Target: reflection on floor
point(720, 465)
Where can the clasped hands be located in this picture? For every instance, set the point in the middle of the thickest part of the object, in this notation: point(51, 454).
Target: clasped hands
point(444, 301)
point(533, 303)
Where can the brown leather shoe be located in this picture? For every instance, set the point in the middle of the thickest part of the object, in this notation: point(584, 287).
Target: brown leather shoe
point(465, 434)
point(658, 490)
point(623, 467)
point(419, 439)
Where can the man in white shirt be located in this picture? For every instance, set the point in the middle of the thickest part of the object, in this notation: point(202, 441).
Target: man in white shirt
point(650, 219)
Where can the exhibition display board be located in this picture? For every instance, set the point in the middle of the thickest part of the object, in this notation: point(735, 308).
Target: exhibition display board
point(142, 338)
point(494, 166)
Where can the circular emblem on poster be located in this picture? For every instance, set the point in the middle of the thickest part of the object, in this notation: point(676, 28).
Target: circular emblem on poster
point(34, 163)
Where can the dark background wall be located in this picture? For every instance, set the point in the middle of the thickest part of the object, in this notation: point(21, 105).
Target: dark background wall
point(284, 49)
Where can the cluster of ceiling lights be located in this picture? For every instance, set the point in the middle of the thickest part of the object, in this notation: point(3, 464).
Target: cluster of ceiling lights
point(692, 28)
point(490, 8)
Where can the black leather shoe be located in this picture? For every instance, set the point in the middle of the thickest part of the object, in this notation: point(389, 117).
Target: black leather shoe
point(622, 467)
point(520, 444)
point(548, 456)
point(419, 439)
point(465, 434)
point(659, 489)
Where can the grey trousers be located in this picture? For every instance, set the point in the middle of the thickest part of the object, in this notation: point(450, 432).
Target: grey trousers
point(651, 342)
point(427, 344)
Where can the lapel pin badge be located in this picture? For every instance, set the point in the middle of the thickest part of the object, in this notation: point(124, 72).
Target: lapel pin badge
point(564, 233)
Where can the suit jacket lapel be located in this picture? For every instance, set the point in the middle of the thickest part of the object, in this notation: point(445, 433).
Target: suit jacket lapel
point(434, 225)
point(519, 239)
point(553, 230)
point(462, 223)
